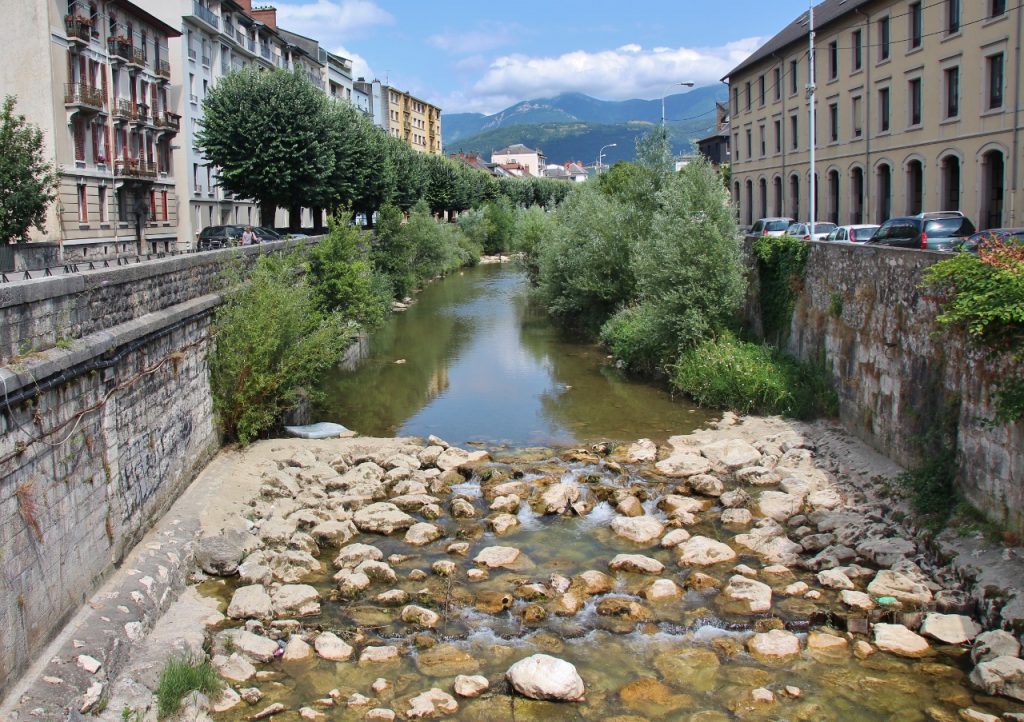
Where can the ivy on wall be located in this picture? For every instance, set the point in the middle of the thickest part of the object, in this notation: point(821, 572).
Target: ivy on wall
point(781, 262)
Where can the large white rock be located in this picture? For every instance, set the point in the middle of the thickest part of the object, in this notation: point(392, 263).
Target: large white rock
point(332, 647)
point(382, 518)
point(888, 583)
point(432, 703)
point(773, 549)
point(470, 685)
point(1001, 675)
point(950, 628)
point(421, 534)
point(544, 677)
point(992, 644)
point(684, 464)
point(643, 451)
point(350, 556)
point(639, 529)
point(731, 453)
point(557, 498)
point(497, 557)
point(857, 600)
point(773, 646)
point(897, 639)
point(700, 551)
point(296, 650)
point(235, 668)
point(254, 646)
point(453, 458)
point(251, 602)
point(749, 594)
point(636, 563)
point(834, 579)
point(296, 600)
point(779, 505)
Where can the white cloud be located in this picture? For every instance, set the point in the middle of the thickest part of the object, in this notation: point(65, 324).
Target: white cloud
point(629, 71)
point(323, 19)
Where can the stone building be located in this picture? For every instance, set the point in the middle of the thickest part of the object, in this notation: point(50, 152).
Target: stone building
point(918, 108)
point(96, 77)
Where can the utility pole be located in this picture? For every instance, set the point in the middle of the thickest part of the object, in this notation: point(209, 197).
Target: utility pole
point(810, 96)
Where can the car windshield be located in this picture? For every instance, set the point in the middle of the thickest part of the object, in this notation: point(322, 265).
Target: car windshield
point(795, 229)
point(820, 227)
point(948, 227)
point(211, 231)
point(776, 225)
point(862, 234)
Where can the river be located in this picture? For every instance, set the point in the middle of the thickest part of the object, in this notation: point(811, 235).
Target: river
point(475, 361)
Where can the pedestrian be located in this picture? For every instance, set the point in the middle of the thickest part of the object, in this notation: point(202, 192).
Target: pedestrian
point(249, 236)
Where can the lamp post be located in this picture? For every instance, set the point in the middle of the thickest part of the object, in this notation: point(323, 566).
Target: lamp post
point(600, 155)
point(810, 97)
point(687, 83)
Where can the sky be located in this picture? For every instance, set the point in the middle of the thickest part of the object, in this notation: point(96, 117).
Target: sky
point(484, 55)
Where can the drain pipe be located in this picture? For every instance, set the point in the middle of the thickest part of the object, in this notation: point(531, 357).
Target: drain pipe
point(782, 94)
point(1016, 123)
point(865, 193)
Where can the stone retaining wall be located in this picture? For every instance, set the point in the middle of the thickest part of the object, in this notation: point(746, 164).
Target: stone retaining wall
point(100, 432)
point(898, 374)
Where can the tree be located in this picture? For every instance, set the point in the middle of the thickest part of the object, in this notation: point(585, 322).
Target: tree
point(270, 135)
point(28, 183)
point(341, 277)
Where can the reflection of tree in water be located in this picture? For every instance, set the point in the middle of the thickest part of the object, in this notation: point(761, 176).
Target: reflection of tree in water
point(590, 396)
point(379, 395)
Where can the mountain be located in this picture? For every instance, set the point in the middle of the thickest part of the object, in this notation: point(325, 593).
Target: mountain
point(574, 126)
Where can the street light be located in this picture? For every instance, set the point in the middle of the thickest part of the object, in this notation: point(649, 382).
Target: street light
point(600, 155)
point(688, 84)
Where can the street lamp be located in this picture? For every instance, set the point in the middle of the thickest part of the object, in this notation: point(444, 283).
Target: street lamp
point(600, 155)
point(688, 84)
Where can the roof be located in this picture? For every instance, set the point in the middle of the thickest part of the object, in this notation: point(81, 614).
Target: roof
point(138, 12)
point(308, 46)
point(824, 13)
point(723, 132)
point(516, 148)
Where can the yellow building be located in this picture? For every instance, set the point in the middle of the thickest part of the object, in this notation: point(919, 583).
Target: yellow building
point(415, 121)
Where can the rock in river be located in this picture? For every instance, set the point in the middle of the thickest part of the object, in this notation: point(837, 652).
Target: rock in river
point(382, 518)
point(636, 563)
point(251, 601)
point(421, 534)
point(497, 557)
point(950, 628)
point(748, 595)
point(639, 529)
point(775, 645)
point(544, 677)
point(899, 640)
point(1002, 675)
point(701, 551)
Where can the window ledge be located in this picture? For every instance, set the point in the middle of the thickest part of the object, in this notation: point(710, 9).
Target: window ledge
point(916, 126)
point(884, 61)
point(992, 111)
point(952, 36)
point(951, 120)
point(996, 19)
point(857, 71)
point(918, 49)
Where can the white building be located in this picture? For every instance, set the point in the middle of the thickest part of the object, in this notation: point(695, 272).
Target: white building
point(532, 160)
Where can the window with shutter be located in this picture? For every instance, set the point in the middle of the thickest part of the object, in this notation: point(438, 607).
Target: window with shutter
point(79, 130)
point(95, 142)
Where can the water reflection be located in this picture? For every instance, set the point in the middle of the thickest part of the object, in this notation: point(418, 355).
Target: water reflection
point(483, 364)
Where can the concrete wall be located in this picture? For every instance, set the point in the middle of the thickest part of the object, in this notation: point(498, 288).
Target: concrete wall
point(899, 375)
point(99, 434)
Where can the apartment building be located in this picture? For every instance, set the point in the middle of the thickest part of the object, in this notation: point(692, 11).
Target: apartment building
point(368, 96)
point(96, 78)
point(530, 160)
point(918, 108)
point(338, 76)
point(415, 121)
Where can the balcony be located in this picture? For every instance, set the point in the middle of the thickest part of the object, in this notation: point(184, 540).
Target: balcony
point(163, 69)
point(206, 61)
point(120, 49)
point(83, 97)
point(167, 121)
point(79, 30)
point(265, 51)
point(124, 110)
point(141, 115)
point(205, 14)
point(134, 169)
point(138, 58)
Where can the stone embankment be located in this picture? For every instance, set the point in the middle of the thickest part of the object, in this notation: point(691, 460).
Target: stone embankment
point(752, 569)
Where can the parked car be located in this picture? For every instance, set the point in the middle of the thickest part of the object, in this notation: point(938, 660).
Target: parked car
point(803, 230)
point(219, 237)
point(1007, 235)
point(267, 234)
point(942, 231)
point(769, 227)
point(852, 234)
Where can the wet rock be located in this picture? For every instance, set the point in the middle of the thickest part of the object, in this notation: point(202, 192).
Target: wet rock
point(706, 484)
point(455, 458)
point(446, 660)
point(296, 650)
point(296, 600)
point(221, 554)
point(432, 703)
point(595, 582)
point(690, 668)
point(886, 552)
point(779, 505)
point(661, 590)
point(747, 595)
point(772, 548)
point(623, 608)
point(519, 489)
point(674, 538)
point(856, 600)
point(702, 551)
point(897, 639)
point(462, 509)
point(648, 694)
point(568, 604)
point(444, 568)
point(498, 557)
point(351, 582)
point(643, 451)
point(381, 713)
point(541, 676)
point(470, 686)
point(630, 506)
point(734, 499)
point(757, 476)
point(379, 654)
point(636, 563)
point(267, 713)
point(253, 646)
point(737, 517)
point(731, 454)
point(827, 644)
point(532, 613)
point(413, 502)
point(292, 565)
point(458, 548)
point(889, 583)
point(795, 589)
point(428, 455)
point(503, 523)
point(643, 530)
point(382, 518)
point(992, 644)
point(834, 579)
point(950, 628)
point(255, 569)
point(477, 575)
point(1000, 676)
point(392, 598)
point(228, 699)
point(700, 582)
point(492, 602)
point(235, 668)
point(422, 534)
point(973, 715)
point(774, 646)
point(684, 464)
point(421, 617)
point(331, 647)
point(377, 572)
point(353, 554)
point(251, 602)
point(508, 504)
point(557, 498)
point(333, 533)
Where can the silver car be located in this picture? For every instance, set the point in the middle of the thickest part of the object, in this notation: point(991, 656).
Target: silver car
point(769, 227)
point(803, 230)
point(852, 234)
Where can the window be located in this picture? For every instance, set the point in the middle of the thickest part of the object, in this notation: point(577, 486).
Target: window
point(763, 148)
point(833, 122)
point(952, 16)
point(83, 204)
point(916, 25)
point(858, 124)
point(883, 110)
point(778, 83)
point(778, 136)
point(952, 79)
point(883, 39)
point(858, 51)
point(750, 143)
point(735, 100)
point(102, 193)
point(163, 203)
point(748, 95)
point(915, 101)
point(152, 205)
point(794, 128)
point(995, 81)
point(760, 82)
point(998, 8)
point(736, 145)
point(833, 60)
point(794, 71)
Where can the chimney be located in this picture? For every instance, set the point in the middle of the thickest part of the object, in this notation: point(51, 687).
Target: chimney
point(246, 5)
point(266, 15)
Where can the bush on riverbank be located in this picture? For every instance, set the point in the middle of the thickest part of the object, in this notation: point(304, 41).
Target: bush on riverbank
point(271, 340)
point(343, 280)
point(726, 372)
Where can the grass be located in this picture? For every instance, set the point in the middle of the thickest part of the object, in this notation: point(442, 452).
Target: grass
point(182, 675)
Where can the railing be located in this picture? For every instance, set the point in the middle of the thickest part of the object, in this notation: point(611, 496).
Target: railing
point(205, 14)
point(138, 57)
point(132, 168)
point(124, 109)
point(78, 28)
point(251, 44)
point(164, 69)
point(119, 47)
point(191, 53)
point(206, 60)
point(82, 94)
point(171, 121)
point(265, 51)
point(142, 115)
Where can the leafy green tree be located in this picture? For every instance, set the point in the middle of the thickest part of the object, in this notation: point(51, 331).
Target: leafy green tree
point(28, 183)
point(378, 186)
point(411, 173)
point(341, 277)
point(501, 226)
point(345, 128)
point(426, 237)
point(442, 185)
point(393, 253)
point(270, 135)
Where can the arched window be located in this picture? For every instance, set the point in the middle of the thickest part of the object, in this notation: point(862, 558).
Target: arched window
point(750, 203)
point(915, 187)
point(992, 172)
point(884, 186)
point(777, 188)
point(764, 198)
point(794, 197)
point(833, 197)
point(857, 195)
point(950, 183)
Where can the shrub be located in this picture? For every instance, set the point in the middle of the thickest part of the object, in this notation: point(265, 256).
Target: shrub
point(640, 336)
point(500, 225)
point(533, 228)
point(726, 372)
point(392, 253)
point(271, 339)
point(181, 676)
point(342, 278)
point(781, 264)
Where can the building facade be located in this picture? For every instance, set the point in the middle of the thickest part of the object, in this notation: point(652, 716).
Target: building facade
point(918, 108)
point(415, 121)
point(96, 78)
point(533, 161)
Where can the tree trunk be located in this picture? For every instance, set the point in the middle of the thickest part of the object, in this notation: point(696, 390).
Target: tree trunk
point(295, 218)
point(267, 211)
point(318, 220)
